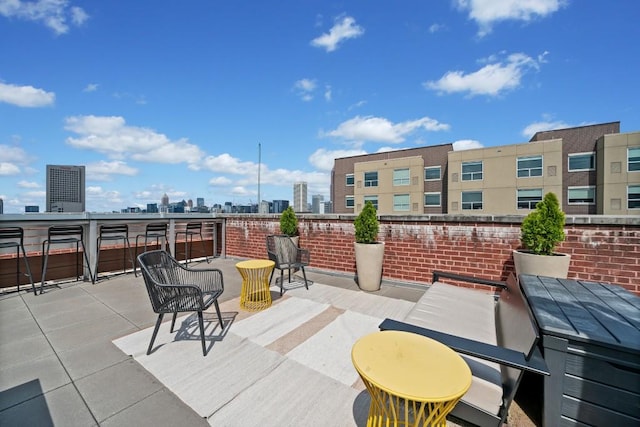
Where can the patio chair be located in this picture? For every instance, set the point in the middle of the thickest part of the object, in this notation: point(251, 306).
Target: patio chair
point(176, 289)
point(65, 235)
point(190, 230)
point(287, 256)
point(154, 230)
point(13, 237)
point(115, 233)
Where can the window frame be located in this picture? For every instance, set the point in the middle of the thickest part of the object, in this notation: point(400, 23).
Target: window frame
point(472, 176)
point(581, 187)
point(400, 182)
point(473, 206)
point(439, 168)
point(370, 182)
point(408, 204)
point(373, 198)
point(635, 162)
point(592, 154)
point(629, 200)
point(529, 175)
point(431, 193)
point(346, 202)
point(353, 180)
point(518, 190)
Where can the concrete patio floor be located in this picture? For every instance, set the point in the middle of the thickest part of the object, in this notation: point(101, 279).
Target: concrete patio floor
point(59, 366)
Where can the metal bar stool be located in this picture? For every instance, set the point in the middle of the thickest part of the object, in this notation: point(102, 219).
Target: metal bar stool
point(154, 230)
point(15, 239)
point(115, 232)
point(63, 235)
point(192, 229)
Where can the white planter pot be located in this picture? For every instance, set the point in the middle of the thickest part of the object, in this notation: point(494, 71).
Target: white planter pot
point(369, 258)
point(556, 265)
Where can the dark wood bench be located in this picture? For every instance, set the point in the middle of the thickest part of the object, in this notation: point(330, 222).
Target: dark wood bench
point(497, 339)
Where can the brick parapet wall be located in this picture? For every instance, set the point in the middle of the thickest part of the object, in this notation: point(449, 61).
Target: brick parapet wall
point(601, 248)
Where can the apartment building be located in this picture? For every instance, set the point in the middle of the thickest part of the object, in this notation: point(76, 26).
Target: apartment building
point(402, 182)
point(592, 169)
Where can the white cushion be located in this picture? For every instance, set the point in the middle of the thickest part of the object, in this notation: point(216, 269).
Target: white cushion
point(467, 313)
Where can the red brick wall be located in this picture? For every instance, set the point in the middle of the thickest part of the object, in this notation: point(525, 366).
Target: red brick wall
point(414, 248)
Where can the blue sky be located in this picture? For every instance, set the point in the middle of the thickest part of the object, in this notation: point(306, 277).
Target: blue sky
point(156, 98)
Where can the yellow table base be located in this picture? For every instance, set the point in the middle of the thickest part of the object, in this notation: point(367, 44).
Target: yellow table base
point(255, 294)
point(412, 380)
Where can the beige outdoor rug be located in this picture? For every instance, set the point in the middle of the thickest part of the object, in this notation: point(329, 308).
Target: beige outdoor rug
point(288, 365)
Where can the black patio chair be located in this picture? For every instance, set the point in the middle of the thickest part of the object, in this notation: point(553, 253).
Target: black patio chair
point(287, 256)
point(176, 289)
point(190, 230)
point(65, 235)
point(115, 233)
point(154, 230)
point(13, 237)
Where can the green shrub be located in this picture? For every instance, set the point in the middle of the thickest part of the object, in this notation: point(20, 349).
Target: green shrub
point(289, 222)
point(366, 224)
point(543, 229)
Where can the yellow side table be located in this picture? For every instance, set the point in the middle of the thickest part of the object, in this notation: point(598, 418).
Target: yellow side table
point(255, 294)
point(412, 380)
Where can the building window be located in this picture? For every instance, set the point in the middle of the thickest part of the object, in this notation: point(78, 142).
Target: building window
point(633, 197)
point(432, 199)
point(471, 171)
point(401, 177)
point(582, 162)
point(401, 202)
point(350, 180)
point(634, 159)
point(581, 195)
point(372, 199)
point(529, 166)
point(471, 200)
point(432, 173)
point(349, 202)
point(371, 179)
point(529, 198)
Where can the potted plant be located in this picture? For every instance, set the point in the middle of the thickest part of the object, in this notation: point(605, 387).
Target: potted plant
point(289, 224)
point(541, 231)
point(369, 252)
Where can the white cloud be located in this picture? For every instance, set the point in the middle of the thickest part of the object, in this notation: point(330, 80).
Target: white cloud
point(28, 184)
point(531, 129)
point(25, 96)
point(327, 93)
point(487, 12)
point(466, 144)
point(379, 129)
point(52, 13)
point(343, 29)
point(9, 153)
point(323, 159)
point(492, 79)
point(91, 87)
point(7, 169)
point(305, 88)
point(434, 28)
point(220, 181)
point(225, 163)
point(113, 137)
point(103, 170)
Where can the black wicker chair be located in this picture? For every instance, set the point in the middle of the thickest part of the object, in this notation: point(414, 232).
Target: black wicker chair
point(176, 289)
point(287, 256)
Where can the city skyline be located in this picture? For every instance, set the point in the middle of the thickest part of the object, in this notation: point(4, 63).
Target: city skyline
point(178, 100)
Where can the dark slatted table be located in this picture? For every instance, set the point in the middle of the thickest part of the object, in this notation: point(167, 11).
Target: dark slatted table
point(591, 344)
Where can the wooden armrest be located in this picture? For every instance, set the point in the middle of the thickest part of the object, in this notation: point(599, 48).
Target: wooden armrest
point(461, 277)
point(492, 353)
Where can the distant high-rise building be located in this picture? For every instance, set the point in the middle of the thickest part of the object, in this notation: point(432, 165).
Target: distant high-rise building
point(264, 207)
point(200, 202)
point(1, 206)
point(328, 207)
point(164, 203)
point(300, 203)
point(65, 188)
point(32, 209)
point(280, 205)
point(317, 203)
point(152, 208)
point(190, 204)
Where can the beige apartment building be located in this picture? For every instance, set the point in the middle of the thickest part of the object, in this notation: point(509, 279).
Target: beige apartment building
point(592, 169)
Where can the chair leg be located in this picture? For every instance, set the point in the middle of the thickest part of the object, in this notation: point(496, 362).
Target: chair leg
point(271, 277)
point(86, 258)
point(97, 268)
point(44, 265)
point(281, 281)
point(201, 322)
point(155, 332)
point(173, 321)
point(305, 277)
point(26, 263)
point(204, 248)
point(219, 314)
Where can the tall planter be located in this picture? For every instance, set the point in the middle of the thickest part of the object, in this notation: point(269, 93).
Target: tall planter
point(556, 265)
point(369, 258)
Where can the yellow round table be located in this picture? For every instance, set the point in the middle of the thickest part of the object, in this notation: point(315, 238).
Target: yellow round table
point(412, 380)
point(255, 294)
